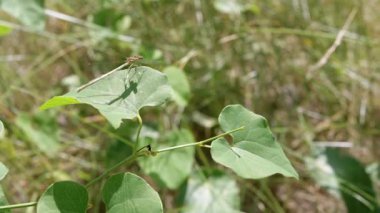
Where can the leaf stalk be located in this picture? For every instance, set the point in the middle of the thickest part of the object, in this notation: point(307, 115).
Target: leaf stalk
point(200, 143)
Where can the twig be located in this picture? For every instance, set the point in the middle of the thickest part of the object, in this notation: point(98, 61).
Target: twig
point(338, 40)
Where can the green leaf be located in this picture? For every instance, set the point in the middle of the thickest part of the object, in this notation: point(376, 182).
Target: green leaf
point(30, 12)
point(64, 196)
point(127, 192)
point(180, 85)
point(121, 95)
point(59, 101)
point(41, 130)
point(116, 152)
point(5, 30)
point(179, 162)
point(345, 177)
point(217, 193)
point(254, 153)
point(3, 171)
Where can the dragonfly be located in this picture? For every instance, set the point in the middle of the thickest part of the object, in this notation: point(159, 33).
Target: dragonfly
point(129, 62)
point(129, 77)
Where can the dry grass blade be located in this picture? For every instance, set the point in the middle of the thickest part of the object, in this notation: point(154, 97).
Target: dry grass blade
point(338, 40)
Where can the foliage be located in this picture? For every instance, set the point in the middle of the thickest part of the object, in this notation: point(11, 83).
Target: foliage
point(344, 177)
point(44, 136)
point(178, 162)
point(255, 152)
point(213, 54)
point(130, 193)
point(3, 171)
point(64, 196)
point(179, 84)
point(120, 95)
point(30, 13)
point(214, 192)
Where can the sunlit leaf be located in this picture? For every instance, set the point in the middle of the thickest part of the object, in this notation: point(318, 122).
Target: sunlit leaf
point(41, 130)
point(120, 95)
point(254, 152)
point(217, 193)
point(5, 30)
point(64, 196)
point(171, 168)
point(59, 101)
point(30, 12)
point(180, 85)
point(127, 192)
point(3, 171)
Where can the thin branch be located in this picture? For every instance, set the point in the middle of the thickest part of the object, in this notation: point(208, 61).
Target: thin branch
point(126, 161)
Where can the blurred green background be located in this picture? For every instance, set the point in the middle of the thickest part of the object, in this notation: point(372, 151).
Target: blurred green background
point(265, 55)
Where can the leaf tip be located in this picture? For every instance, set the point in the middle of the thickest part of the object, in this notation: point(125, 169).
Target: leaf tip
point(58, 101)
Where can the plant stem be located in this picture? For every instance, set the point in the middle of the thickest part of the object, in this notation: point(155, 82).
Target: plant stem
point(19, 205)
point(198, 143)
point(138, 133)
point(126, 161)
point(136, 154)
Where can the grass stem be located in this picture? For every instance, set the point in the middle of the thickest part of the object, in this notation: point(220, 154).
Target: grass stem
point(19, 205)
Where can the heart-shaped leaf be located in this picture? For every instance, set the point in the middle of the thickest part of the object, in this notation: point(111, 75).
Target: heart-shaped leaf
point(254, 152)
point(127, 192)
point(64, 196)
point(173, 167)
point(121, 94)
point(217, 193)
